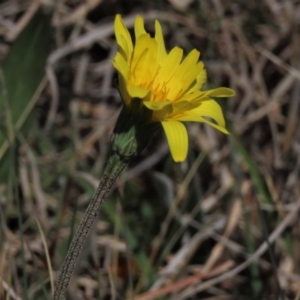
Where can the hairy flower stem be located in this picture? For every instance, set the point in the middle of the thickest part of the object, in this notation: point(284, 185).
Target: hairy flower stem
point(114, 167)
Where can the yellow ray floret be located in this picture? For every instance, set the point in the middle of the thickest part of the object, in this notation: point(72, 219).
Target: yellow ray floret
point(167, 84)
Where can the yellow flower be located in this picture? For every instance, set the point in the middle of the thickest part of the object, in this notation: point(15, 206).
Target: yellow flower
point(167, 85)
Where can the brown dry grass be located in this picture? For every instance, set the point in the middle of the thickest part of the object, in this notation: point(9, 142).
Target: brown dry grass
point(222, 225)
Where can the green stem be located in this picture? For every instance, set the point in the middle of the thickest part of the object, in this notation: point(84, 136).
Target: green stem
point(114, 167)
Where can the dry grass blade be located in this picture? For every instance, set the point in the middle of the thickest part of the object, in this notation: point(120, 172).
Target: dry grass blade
point(218, 249)
point(49, 264)
point(78, 14)
point(182, 257)
point(294, 107)
point(287, 221)
point(279, 62)
point(186, 282)
point(10, 292)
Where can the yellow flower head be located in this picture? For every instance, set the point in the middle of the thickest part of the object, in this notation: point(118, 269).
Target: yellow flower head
point(167, 85)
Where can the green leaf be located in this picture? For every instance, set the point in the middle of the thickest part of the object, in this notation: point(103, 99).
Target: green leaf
point(21, 75)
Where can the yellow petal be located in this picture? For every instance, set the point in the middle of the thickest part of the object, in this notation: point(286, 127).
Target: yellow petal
point(140, 49)
point(161, 50)
point(220, 128)
point(210, 109)
point(169, 66)
point(188, 80)
point(183, 106)
point(137, 92)
point(156, 105)
point(123, 38)
point(139, 28)
point(193, 96)
point(162, 114)
point(177, 139)
point(121, 65)
point(185, 74)
point(200, 80)
point(144, 62)
point(199, 119)
point(191, 59)
point(123, 90)
point(220, 92)
point(205, 95)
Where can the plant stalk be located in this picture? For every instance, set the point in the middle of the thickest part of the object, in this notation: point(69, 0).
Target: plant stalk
point(113, 168)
